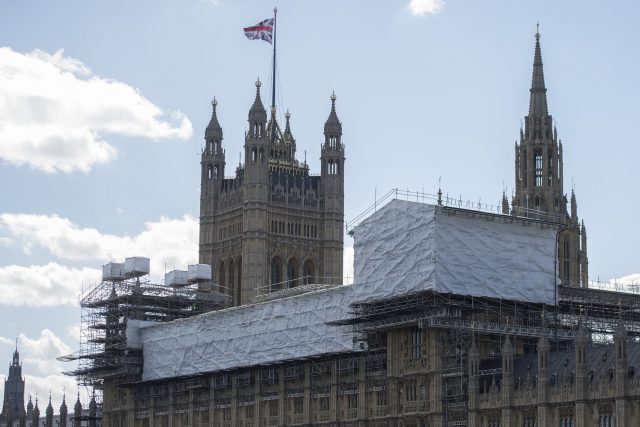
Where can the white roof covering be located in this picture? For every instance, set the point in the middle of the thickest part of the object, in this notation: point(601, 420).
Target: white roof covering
point(273, 331)
point(409, 247)
point(404, 247)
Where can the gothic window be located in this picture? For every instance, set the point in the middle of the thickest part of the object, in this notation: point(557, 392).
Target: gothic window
point(215, 171)
point(221, 277)
point(336, 170)
point(308, 272)
point(566, 258)
point(261, 155)
point(536, 201)
point(330, 167)
point(292, 273)
point(209, 172)
point(416, 343)
point(254, 154)
point(276, 273)
point(526, 169)
point(538, 166)
point(550, 167)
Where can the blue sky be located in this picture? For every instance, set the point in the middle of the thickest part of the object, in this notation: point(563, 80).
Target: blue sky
point(103, 107)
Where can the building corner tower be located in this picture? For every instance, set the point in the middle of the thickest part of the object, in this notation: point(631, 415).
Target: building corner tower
point(539, 180)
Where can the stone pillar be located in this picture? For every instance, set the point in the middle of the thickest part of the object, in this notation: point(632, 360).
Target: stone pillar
point(474, 379)
point(333, 402)
point(620, 344)
point(362, 391)
point(307, 393)
point(582, 413)
point(544, 416)
point(281, 400)
point(507, 385)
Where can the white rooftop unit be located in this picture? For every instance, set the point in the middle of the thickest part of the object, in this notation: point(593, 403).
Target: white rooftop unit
point(176, 278)
point(199, 273)
point(136, 266)
point(407, 247)
point(113, 271)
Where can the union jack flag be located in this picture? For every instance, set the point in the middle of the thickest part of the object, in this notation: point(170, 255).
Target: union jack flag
point(261, 31)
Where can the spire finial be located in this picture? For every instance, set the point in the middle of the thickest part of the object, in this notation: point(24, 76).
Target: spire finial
point(214, 103)
point(275, 10)
point(258, 83)
point(538, 29)
point(333, 99)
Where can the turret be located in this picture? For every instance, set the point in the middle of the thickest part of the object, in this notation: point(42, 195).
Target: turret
point(505, 204)
point(49, 414)
point(29, 409)
point(332, 189)
point(574, 207)
point(35, 419)
point(77, 411)
point(93, 411)
point(63, 413)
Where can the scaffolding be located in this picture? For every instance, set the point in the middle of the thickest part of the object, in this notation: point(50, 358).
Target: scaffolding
point(109, 306)
point(457, 317)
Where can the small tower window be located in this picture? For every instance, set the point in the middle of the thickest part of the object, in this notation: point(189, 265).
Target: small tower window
point(254, 154)
point(261, 155)
point(538, 166)
point(537, 201)
point(215, 171)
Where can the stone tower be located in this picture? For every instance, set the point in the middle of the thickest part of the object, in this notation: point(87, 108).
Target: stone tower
point(13, 402)
point(274, 225)
point(539, 182)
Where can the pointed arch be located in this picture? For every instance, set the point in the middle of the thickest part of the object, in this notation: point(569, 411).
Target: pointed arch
point(231, 279)
point(293, 273)
point(308, 272)
point(221, 277)
point(276, 273)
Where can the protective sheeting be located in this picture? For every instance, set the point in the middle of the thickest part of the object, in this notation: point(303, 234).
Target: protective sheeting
point(134, 332)
point(269, 332)
point(408, 247)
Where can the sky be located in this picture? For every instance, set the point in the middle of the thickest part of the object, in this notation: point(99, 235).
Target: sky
point(103, 107)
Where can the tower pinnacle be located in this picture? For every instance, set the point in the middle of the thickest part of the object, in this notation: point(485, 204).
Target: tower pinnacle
point(538, 99)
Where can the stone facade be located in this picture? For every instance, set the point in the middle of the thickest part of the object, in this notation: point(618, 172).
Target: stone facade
point(431, 359)
point(274, 225)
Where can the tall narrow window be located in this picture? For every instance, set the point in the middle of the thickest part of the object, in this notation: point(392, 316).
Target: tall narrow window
point(416, 343)
point(526, 169)
point(538, 166)
point(566, 259)
point(549, 167)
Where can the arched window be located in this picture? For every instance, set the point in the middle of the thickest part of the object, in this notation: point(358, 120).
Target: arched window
point(231, 279)
point(537, 201)
point(538, 166)
point(330, 167)
point(308, 272)
point(293, 273)
point(336, 170)
point(254, 154)
point(261, 155)
point(209, 172)
point(221, 277)
point(276, 273)
point(215, 171)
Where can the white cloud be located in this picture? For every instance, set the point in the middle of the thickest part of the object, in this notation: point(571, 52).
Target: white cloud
point(43, 285)
point(55, 113)
point(5, 241)
point(43, 351)
point(168, 242)
point(423, 7)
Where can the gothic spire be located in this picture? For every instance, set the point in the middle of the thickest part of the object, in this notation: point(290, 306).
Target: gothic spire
point(213, 131)
point(257, 113)
point(332, 125)
point(538, 98)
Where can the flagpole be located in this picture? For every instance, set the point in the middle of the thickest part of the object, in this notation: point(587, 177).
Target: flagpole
point(273, 86)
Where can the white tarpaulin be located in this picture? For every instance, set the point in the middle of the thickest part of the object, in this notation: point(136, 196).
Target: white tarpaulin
point(249, 335)
point(409, 247)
